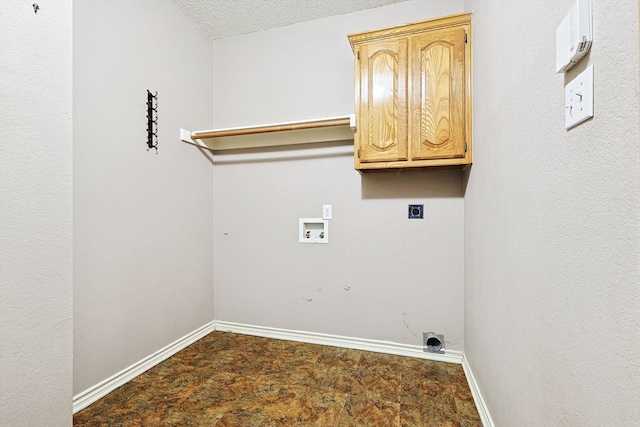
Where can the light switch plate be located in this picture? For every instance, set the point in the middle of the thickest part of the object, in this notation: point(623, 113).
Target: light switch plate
point(579, 98)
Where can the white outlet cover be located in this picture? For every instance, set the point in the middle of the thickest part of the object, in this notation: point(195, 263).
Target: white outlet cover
point(579, 98)
point(327, 212)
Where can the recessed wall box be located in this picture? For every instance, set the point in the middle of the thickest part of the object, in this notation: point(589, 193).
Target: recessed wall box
point(573, 36)
point(313, 230)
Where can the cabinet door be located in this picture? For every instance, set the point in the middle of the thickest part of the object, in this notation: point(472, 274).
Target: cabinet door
point(438, 90)
point(382, 117)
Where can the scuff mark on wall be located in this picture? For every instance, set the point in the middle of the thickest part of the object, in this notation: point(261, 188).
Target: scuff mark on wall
point(406, 325)
point(308, 299)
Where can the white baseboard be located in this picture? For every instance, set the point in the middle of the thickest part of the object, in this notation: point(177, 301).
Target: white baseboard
point(481, 405)
point(450, 356)
point(87, 397)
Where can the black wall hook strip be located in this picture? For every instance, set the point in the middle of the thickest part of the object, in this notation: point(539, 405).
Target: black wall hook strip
point(152, 120)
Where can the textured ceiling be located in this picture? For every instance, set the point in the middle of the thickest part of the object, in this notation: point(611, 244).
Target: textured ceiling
point(226, 18)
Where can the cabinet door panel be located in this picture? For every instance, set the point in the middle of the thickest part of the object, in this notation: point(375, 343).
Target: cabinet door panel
point(382, 131)
point(438, 95)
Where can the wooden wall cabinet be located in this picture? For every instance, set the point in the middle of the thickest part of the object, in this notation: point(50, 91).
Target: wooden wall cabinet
point(413, 95)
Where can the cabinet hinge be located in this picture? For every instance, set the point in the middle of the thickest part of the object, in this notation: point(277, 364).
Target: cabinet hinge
point(358, 55)
point(465, 37)
point(358, 153)
point(465, 146)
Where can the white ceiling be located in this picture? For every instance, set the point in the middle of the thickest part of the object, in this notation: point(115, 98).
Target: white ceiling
point(226, 18)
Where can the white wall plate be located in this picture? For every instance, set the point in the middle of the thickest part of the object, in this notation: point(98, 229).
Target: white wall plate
point(579, 98)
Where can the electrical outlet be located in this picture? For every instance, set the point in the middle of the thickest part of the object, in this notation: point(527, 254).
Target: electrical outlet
point(579, 99)
point(416, 211)
point(326, 212)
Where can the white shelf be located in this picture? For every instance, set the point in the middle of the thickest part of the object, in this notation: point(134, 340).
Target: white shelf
point(298, 132)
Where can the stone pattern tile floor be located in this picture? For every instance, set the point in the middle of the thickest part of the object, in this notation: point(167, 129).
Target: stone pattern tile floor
point(228, 379)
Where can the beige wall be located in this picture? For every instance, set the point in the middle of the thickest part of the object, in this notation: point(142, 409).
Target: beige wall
point(552, 221)
point(381, 276)
point(143, 269)
point(35, 214)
